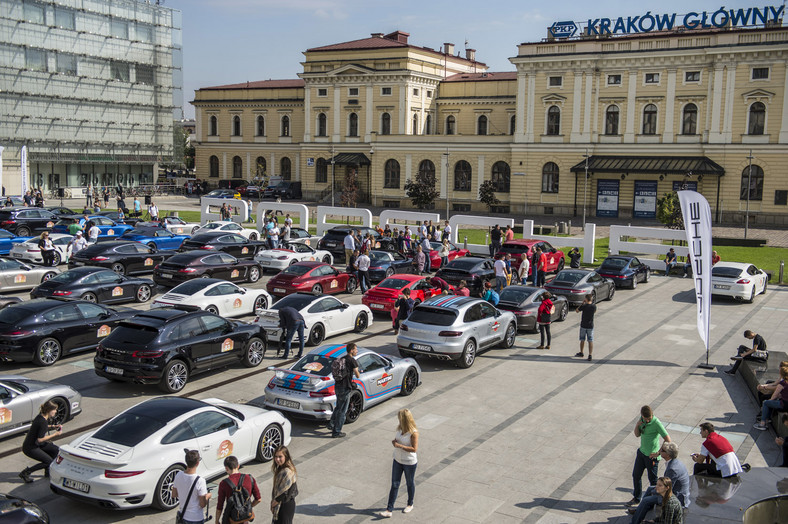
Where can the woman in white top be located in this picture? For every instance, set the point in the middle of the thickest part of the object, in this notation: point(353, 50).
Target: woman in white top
point(444, 252)
point(406, 443)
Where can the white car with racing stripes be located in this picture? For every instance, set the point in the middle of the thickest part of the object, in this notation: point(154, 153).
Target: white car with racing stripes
point(216, 296)
point(289, 254)
point(228, 225)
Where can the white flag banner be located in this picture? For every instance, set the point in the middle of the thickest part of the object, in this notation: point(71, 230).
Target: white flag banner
point(25, 185)
point(697, 225)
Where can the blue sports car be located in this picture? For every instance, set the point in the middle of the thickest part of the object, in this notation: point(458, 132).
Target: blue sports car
point(108, 228)
point(7, 241)
point(155, 237)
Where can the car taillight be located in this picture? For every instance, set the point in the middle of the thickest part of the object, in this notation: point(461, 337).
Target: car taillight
point(7, 222)
point(157, 266)
point(207, 247)
point(18, 333)
point(271, 384)
point(403, 327)
point(577, 291)
point(111, 474)
point(329, 391)
point(99, 259)
point(187, 270)
point(59, 293)
point(32, 250)
point(523, 313)
point(743, 281)
point(450, 334)
point(282, 258)
point(59, 458)
point(147, 354)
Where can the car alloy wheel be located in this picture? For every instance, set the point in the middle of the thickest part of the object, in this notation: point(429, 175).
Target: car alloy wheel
point(509, 338)
point(48, 352)
point(327, 259)
point(119, 268)
point(143, 293)
point(254, 274)
point(47, 276)
point(409, 382)
point(612, 291)
point(270, 440)
point(317, 290)
point(361, 322)
point(194, 229)
point(389, 272)
point(253, 236)
point(56, 258)
point(175, 376)
point(647, 277)
point(355, 407)
point(564, 312)
point(752, 295)
point(23, 232)
point(260, 303)
point(560, 266)
point(255, 352)
point(212, 309)
point(634, 281)
point(350, 287)
point(152, 245)
point(468, 356)
point(317, 334)
point(89, 297)
point(163, 498)
point(62, 410)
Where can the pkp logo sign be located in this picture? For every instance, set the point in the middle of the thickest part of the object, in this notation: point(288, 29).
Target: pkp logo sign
point(563, 29)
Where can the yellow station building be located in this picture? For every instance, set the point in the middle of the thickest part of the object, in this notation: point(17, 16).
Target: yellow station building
point(605, 123)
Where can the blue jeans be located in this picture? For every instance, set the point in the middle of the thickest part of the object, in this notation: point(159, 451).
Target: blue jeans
point(500, 283)
point(363, 281)
point(643, 462)
point(299, 326)
point(649, 500)
point(540, 282)
point(397, 470)
point(669, 266)
point(338, 416)
point(193, 521)
point(766, 410)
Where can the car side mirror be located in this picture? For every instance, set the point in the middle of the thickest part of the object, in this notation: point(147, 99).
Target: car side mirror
point(497, 313)
point(104, 316)
point(242, 291)
point(26, 267)
point(344, 306)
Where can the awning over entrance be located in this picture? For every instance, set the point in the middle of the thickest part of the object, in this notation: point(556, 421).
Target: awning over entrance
point(682, 165)
point(350, 159)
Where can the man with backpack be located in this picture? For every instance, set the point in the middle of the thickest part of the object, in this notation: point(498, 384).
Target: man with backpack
point(343, 369)
point(237, 490)
point(191, 491)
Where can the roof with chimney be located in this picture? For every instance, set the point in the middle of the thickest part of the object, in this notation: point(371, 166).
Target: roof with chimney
point(481, 77)
point(261, 84)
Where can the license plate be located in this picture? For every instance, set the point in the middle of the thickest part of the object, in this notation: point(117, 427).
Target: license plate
point(166, 275)
point(422, 347)
point(279, 290)
point(720, 286)
point(288, 403)
point(331, 244)
point(114, 371)
point(84, 487)
point(377, 306)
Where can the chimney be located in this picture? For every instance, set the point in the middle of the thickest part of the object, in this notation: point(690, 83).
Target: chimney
point(448, 48)
point(470, 54)
point(377, 35)
point(398, 36)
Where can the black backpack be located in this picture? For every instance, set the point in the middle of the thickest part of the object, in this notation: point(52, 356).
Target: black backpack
point(239, 503)
point(339, 369)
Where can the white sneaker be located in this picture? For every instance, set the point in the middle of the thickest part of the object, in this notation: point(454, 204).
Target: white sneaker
point(407, 509)
point(386, 514)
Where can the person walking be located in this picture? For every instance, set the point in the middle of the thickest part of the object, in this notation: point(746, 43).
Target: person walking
point(757, 352)
point(343, 373)
point(47, 249)
point(106, 198)
point(190, 490)
point(403, 306)
point(89, 195)
point(406, 444)
point(426, 248)
point(285, 488)
point(446, 231)
point(37, 443)
point(672, 512)
point(544, 317)
point(587, 309)
point(291, 321)
point(362, 266)
point(648, 428)
point(137, 207)
point(234, 480)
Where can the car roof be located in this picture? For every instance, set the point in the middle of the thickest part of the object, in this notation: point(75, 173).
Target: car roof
point(737, 265)
point(450, 301)
point(310, 264)
point(205, 235)
point(406, 276)
point(338, 351)
point(159, 316)
point(164, 409)
point(620, 257)
point(522, 242)
point(41, 304)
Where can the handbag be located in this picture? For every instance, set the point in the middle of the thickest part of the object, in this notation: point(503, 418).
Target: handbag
point(179, 514)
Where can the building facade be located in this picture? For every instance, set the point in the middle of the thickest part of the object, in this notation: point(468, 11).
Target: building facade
point(602, 125)
point(92, 87)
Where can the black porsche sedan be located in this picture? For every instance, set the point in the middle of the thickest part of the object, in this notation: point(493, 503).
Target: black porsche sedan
point(124, 257)
point(230, 243)
point(96, 284)
point(43, 330)
point(199, 263)
point(575, 284)
point(624, 270)
point(167, 346)
point(524, 302)
point(475, 271)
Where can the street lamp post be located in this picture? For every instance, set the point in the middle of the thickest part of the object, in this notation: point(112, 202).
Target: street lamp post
point(333, 185)
point(585, 190)
point(446, 154)
point(749, 189)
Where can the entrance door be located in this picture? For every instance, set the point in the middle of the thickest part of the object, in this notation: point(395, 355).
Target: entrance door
point(645, 204)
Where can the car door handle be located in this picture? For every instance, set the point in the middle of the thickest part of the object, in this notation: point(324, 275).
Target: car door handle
point(206, 448)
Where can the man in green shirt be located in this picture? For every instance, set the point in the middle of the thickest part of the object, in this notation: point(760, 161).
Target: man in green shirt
point(649, 429)
point(73, 227)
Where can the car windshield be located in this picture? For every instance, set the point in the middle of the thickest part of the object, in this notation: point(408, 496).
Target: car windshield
point(67, 278)
point(192, 286)
point(336, 233)
point(614, 263)
point(569, 277)
point(184, 259)
point(464, 264)
point(128, 333)
point(433, 316)
point(725, 272)
point(297, 301)
point(211, 225)
point(297, 270)
point(12, 315)
point(129, 429)
point(141, 232)
point(517, 294)
point(393, 283)
point(314, 364)
point(378, 257)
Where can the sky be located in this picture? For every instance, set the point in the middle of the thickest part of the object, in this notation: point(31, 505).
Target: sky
point(232, 41)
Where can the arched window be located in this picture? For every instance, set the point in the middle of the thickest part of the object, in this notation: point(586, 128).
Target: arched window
point(611, 120)
point(650, 120)
point(285, 125)
point(236, 125)
point(214, 131)
point(512, 124)
point(451, 124)
point(554, 121)
point(462, 176)
point(428, 125)
point(415, 130)
point(752, 180)
point(501, 177)
point(481, 125)
point(259, 128)
point(426, 169)
point(238, 166)
point(260, 166)
point(322, 125)
point(284, 168)
point(214, 166)
point(757, 119)
point(391, 174)
point(321, 170)
point(550, 178)
point(352, 125)
point(689, 120)
point(385, 124)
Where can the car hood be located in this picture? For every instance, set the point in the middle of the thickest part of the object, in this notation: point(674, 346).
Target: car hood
point(29, 383)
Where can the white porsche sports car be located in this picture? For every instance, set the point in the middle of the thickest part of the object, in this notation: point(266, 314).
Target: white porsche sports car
point(738, 280)
point(302, 236)
point(324, 316)
point(178, 226)
point(131, 461)
point(226, 225)
point(216, 296)
point(289, 254)
point(29, 250)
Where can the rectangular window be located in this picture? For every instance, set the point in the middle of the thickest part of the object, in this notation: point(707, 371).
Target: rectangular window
point(145, 74)
point(429, 94)
point(500, 209)
point(692, 76)
point(119, 29)
point(66, 64)
point(555, 81)
point(352, 91)
point(35, 59)
point(322, 91)
point(34, 13)
point(614, 80)
point(760, 73)
point(391, 204)
point(64, 18)
point(461, 207)
point(144, 33)
point(780, 197)
point(652, 78)
point(415, 92)
point(385, 91)
point(119, 71)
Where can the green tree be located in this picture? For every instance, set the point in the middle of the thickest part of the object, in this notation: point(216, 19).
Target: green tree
point(350, 191)
point(669, 211)
point(487, 194)
point(422, 191)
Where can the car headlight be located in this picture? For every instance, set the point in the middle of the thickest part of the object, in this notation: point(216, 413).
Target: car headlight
point(35, 511)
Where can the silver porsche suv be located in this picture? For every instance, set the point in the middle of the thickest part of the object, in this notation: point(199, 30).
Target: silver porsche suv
point(455, 328)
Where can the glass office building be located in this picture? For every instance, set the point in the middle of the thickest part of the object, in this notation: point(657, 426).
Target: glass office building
point(92, 87)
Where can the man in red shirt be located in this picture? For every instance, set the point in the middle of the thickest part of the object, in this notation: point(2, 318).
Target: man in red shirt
point(440, 283)
point(509, 233)
point(231, 467)
point(541, 268)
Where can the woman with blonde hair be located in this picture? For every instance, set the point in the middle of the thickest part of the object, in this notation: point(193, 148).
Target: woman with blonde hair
point(285, 487)
point(672, 512)
point(406, 443)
